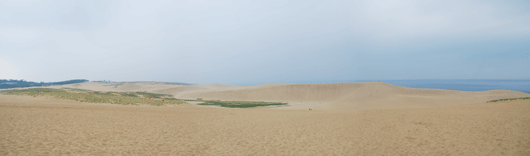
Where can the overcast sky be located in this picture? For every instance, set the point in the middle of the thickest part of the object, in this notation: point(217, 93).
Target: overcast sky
point(252, 42)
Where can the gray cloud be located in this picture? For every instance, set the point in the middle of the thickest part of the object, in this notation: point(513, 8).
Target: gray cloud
point(248, 42)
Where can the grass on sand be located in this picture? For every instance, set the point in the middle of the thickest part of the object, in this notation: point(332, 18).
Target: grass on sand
point(522, 98)
point(124, 98)
point(239, 104)
point(127, 98)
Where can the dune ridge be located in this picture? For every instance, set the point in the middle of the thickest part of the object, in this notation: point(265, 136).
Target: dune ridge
point(358, 95)
point(335, 96)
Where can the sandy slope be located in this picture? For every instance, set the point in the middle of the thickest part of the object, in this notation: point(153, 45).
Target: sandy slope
point(335, 96)
point(119, 87)
point(154, 87)
point(356, 95)
point(40, 126)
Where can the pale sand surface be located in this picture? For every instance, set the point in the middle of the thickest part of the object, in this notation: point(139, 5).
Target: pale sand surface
point(354, 96)
point(348, 119)
point(330, 96)
point(40, 126)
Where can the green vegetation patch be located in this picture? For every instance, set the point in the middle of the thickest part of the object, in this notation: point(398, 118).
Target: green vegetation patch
point(152, 95)
point(130, 98)
point(509, 99)
point(32, 91)
point(129, 94)
point(240, 104)
point(76, 90)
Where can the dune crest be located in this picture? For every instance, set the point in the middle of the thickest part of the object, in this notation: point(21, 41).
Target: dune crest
point(334, 96)
point(356, 95)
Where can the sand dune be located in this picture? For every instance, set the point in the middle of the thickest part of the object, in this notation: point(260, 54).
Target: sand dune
point(356, 95)
point(154, 87)
point(348, 119)
point(120, 86)
point(336, 96)
point(40, 126)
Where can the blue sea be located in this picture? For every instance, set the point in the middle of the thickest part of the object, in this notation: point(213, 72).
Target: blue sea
point(522, 85)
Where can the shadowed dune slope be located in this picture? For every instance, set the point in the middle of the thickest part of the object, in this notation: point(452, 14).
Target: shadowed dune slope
point(357, 95)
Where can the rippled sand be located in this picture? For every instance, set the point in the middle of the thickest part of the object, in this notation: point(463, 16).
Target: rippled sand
point(40, 126)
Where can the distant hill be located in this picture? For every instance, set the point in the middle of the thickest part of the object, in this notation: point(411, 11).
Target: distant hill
point(108, 81)
point(22, 83)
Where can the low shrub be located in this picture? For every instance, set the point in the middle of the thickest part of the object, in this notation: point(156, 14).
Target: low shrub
point(521, 98)
point(240, 104)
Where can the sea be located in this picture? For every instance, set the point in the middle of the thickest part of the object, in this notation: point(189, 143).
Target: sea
point(522, 85)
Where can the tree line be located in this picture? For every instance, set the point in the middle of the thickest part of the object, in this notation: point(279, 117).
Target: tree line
point(11, 83)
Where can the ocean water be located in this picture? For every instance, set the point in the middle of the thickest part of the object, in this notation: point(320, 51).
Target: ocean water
point(522, 85)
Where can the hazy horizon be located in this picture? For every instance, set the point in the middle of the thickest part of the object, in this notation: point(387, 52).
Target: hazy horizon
point(243, 43)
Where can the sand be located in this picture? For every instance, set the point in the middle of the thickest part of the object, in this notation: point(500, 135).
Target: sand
point(329, 96)
point(39, 126)
point(347, 120)
point(354, 96)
